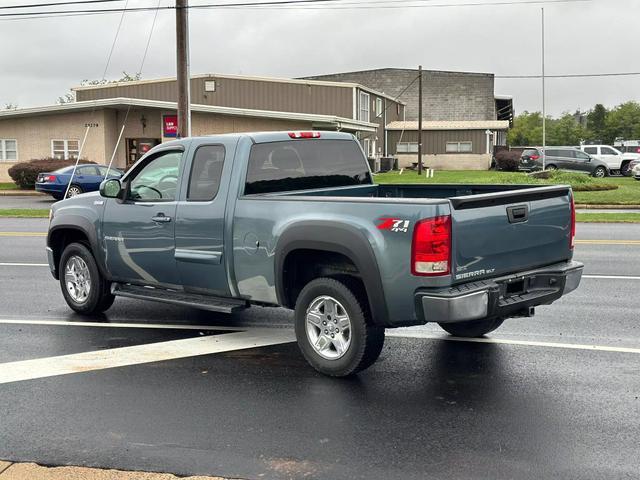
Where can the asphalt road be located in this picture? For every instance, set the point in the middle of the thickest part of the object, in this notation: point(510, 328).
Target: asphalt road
point(536, 400)
point(26, 201)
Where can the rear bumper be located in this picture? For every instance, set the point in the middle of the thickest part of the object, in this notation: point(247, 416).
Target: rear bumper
point(509, 296)
point(49, 188)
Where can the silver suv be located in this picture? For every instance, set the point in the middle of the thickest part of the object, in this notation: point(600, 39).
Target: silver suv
point(563, 158)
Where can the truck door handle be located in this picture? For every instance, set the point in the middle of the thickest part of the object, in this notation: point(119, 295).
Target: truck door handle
point(161, 218)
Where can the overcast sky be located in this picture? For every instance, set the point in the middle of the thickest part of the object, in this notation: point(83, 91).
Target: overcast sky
point(42, 58)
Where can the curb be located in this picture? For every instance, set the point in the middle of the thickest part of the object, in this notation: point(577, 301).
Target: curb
point(590, 206)
point(21, 193)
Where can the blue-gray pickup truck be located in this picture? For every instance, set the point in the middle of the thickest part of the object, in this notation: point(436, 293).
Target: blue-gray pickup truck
point(294, 219)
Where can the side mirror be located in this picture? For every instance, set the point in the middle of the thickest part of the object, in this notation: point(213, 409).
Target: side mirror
point(110, 188)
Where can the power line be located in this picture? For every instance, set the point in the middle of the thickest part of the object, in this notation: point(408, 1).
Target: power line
point(296, 4)
point(571, 75)
point(39, 5)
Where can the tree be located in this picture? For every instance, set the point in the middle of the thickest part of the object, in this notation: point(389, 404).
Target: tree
point(526, 130)
point(70, 96)
point(596, 119)
point(565, 131)
point(623, 122)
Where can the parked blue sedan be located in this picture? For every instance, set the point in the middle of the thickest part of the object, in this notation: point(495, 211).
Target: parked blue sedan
point(86, 179)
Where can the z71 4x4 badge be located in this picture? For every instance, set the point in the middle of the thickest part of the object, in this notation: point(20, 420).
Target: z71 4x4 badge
point(394, 224)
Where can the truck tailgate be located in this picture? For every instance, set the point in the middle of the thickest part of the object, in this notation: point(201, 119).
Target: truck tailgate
point(506, 232)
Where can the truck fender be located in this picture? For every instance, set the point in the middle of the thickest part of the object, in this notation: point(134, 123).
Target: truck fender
point(84, 226)
point(338, 238)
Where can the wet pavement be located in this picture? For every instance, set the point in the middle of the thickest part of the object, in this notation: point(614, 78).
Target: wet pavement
point(536, 400)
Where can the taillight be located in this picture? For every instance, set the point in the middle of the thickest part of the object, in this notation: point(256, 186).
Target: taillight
point(304, 134)
point(51, 178)
point(431, 249)
point(572, 242)
point(534, 157)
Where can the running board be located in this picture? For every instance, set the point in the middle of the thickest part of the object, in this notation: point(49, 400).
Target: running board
point(204, 302)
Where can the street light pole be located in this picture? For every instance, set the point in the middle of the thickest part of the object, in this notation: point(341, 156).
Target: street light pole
point(420, 120)
point(183, 74)
point(544, 113)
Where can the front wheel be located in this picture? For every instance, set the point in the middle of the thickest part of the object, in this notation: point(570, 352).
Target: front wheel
point(472, 329)
point(83, 287)
point(551, 167)
point(333, 328)
point(625, 169)
point(600, 172)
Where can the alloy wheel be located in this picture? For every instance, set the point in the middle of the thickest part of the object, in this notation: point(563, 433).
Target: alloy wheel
point(77, 279)
point(328, 327)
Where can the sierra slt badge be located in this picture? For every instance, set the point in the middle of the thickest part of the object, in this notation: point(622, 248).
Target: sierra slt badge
point(394, 224)
point(477, 273)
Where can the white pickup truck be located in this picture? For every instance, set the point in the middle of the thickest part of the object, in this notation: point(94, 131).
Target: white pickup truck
point(617, 161)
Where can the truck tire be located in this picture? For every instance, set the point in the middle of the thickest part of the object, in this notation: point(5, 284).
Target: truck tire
point(83, 287)
point(334, 330)
point(625, 171)
point(472, 329)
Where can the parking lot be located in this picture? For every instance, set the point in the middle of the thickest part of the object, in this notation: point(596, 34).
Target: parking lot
point(189, 392)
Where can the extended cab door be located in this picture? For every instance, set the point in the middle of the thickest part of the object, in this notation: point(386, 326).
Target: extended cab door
point(138, 231)
point(201, 253)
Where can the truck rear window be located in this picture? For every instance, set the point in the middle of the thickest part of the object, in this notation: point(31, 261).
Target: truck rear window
point(305, 164)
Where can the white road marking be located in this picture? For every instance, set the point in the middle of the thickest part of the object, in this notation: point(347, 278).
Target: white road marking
point(612, 277)
point(141, 354)
point(10, 264)
point(504, 341)
point(164, 326)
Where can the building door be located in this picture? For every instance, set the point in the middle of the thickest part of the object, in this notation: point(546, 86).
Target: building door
point(137, 147)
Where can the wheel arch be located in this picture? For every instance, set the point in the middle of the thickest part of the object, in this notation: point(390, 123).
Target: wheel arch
point(335, 240)
point(61, 235)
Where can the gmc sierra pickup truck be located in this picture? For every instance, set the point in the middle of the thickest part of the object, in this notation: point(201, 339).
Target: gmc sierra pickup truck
point(294, 219)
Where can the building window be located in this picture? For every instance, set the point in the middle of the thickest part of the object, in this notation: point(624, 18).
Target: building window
point(407, 147)
point(364, 107)
point(8, 150)
point(65, 149)
point(378, 107)
point(459, 147)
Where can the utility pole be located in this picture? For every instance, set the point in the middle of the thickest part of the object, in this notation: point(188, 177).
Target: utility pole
point(544, 112)
point(183, 71)
point(420, 120)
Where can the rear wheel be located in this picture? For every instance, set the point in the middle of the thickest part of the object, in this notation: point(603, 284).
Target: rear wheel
point(474, 328)
point(600, 172)
point(334, 329)
point(74, 190)
point(83, 287)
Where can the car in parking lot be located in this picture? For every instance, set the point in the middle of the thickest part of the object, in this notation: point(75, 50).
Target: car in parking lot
point(86, 179)
point(563, 158)
point(617, 161)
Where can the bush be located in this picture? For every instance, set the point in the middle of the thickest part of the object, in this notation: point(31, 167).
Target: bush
point(508, 160)
point(24, 174)
point(580, 182)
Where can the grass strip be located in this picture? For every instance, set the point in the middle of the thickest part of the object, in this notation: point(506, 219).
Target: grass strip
point(8, 186)
point(24, 213)
point(608, 217)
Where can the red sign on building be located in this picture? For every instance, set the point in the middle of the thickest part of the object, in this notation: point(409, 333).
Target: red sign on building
point(169, 125)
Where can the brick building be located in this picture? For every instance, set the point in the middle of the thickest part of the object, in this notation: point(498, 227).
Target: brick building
point(458, 108)
point(220, 104)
